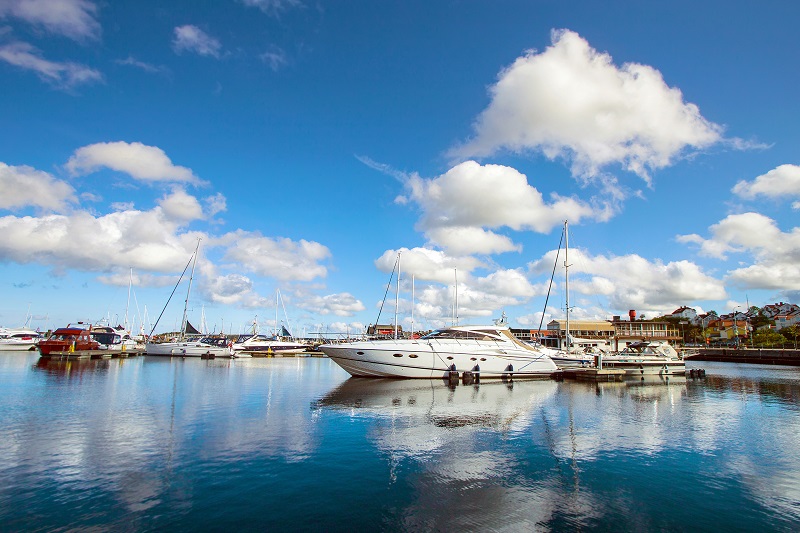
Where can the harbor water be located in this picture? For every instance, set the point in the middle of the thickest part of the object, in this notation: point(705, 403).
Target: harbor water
point(294, 444)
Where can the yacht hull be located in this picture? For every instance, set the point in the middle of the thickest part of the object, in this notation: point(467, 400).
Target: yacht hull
point(186, 349)
point(428, 360)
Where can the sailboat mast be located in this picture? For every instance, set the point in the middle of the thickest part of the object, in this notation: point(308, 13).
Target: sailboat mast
point(412, 306)
point(127, 305)
point(566, 276)
point(188, 292)
point(397, 296)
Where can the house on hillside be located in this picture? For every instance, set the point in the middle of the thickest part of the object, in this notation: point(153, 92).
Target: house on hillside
point(684, 313)
point(728, 330)
point(704, 320)
point(781, 308)
point(786, 320)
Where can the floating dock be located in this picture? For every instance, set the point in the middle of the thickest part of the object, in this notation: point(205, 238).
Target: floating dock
point(591, 374)
point(94, 354)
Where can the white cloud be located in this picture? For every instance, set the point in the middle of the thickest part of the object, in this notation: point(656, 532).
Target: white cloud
point(427, 264)
point(181, 207)
point(280, 258)
point(75, 19)
point(633, 282)
point(342, 304)
point(147, 67)
point(142, 162)
point(780, 182)
point(62, 75)
point(190, 38)
point(143, 240)
point(776, 254)
point(24, 186)
point(275, 58)
point(571, 101)
point(458, 206)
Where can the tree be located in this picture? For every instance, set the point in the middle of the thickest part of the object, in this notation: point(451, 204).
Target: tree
point(791, 333)
point(768, 338)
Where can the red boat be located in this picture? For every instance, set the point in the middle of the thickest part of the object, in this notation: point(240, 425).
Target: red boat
point(69, 339)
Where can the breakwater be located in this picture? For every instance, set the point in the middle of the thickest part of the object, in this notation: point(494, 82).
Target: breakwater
point(766, 356)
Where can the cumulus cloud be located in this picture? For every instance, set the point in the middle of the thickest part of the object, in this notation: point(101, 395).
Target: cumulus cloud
point(189, 38)
point(427, 264)
point(342, 304)
point(776, 253)
point(144, 240)
point(181, 207)
point(140, 161)
point(24, 186)
point(633, 282)
point(64, 75)
point(780, 182)
point(571, 101)
point(75, 19)
point(280, 258)
point(461, 204)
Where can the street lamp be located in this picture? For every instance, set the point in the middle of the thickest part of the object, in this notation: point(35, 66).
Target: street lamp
point(735, 327)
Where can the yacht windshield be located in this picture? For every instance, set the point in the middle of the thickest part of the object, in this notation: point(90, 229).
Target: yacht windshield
point(440, 334)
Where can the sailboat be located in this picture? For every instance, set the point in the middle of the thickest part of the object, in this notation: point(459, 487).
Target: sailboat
point(204, 347)
point(566, 355)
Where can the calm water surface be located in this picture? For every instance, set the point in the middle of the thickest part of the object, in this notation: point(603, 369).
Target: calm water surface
point(292, 444)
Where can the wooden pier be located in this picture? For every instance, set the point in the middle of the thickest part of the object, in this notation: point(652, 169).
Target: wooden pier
point(94, 354)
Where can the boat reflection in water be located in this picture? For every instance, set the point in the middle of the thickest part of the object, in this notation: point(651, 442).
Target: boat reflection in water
point(423, 413)
point(69, 367)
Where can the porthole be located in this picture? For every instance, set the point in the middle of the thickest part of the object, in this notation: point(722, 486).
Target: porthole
point(473, 359)
point(398, 355)
point(449, 357)
point(483, 359)
point(412, 356)
point(360, 353)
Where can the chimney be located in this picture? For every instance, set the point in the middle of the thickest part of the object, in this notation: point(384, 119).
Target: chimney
point(632, 315)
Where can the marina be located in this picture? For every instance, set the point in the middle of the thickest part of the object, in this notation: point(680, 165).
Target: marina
point(287, 443)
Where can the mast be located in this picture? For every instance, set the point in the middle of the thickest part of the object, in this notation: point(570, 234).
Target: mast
point(455, 308)
point(412, 306)
point(397, 296)
point(130, 282)
point(566, 276)
point(188, 291)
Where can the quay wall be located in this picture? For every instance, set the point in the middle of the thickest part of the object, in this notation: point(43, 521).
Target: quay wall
point(765, 356)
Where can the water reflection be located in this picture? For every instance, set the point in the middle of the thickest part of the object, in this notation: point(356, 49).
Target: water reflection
point(71, 367)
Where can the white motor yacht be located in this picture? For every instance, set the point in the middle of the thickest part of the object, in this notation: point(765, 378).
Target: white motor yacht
point(18, 339)
point(643, 358)
point(484, 351)
point(267, 345)
point(202, 347)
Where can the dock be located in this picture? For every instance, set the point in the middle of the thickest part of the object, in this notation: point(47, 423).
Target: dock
point(591, 374)
point(94, 354)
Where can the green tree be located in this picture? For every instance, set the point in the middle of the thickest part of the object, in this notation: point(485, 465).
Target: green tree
point(791, 333)
point(767, 338)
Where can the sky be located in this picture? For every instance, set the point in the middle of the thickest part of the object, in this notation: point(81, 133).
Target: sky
point(307, 145)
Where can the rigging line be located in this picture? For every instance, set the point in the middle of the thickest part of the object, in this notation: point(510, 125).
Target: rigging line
point(388, 285)
point(171, 295)
point(553, 275)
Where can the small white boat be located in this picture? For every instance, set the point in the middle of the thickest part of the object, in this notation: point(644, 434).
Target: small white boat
point(18, 339)
point(483, 351)
point(113, 339)
point(644, 358)
point(202, 347)
point(267, 345)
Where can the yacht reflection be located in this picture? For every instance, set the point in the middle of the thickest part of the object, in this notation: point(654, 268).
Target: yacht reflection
point(70, 367)
point(437, 403)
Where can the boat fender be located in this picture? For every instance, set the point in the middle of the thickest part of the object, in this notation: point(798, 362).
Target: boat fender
point(510, 370)
point(453, 373)
point(467, 377)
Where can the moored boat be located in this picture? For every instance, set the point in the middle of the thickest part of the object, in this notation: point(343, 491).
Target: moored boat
point(69, 339)
point(481, 351)
point(18, 339)
point(643, 358)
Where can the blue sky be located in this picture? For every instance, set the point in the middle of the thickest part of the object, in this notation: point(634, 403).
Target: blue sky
point(307, 143)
